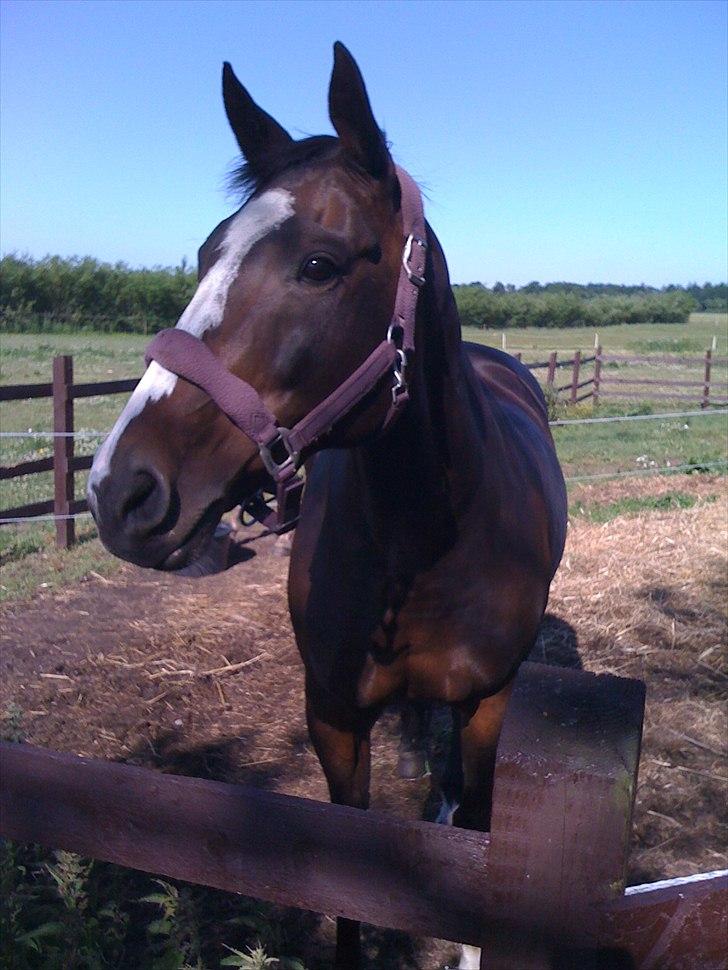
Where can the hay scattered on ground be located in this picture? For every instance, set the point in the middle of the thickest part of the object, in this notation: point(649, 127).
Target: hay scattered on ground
point(203, 677)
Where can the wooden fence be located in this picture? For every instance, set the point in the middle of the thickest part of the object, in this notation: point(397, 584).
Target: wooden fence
point(701, 389)
point(545, 888)
point(64, 463)
point(601, 384)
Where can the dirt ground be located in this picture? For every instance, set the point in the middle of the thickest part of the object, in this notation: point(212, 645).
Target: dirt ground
point(202, 676)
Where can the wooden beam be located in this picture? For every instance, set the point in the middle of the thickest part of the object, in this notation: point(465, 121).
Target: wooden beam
point(674, 923)
point(412, 876)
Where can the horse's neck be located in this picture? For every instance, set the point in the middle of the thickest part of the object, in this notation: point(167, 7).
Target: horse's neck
point(427, 469)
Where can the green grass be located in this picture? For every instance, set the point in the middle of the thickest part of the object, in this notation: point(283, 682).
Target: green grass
point(604, 512)
point(641, 445)
point(693, 337)
point(31, 564)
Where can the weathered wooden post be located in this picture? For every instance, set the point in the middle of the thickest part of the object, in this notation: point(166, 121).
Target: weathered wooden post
point(565, 783)
point(597, 373)
point(706, 379)
point(551, 373)
point(63, 450)
point(575, 376)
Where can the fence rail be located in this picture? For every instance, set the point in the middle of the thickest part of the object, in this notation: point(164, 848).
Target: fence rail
point(64, 506)
point(550, 875)
point(603, 384)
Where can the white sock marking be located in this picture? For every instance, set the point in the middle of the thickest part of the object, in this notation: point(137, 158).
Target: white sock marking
point(205, 310)
point(469, 958)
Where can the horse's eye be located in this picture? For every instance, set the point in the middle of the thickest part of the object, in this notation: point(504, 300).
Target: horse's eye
point(318, 269)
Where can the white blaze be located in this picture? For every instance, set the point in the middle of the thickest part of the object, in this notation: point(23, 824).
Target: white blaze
point(204, 311)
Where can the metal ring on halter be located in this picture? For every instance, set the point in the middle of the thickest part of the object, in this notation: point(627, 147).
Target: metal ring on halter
point(406, 256)
point(395, 334)
point(276, 464)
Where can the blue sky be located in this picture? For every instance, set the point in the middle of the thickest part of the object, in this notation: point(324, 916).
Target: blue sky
point(580, 140)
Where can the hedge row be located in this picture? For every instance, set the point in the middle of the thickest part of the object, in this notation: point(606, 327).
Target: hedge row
point(480, 307)
point(55, 294)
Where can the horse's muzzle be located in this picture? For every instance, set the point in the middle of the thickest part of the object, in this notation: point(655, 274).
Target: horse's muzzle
point(138, 516)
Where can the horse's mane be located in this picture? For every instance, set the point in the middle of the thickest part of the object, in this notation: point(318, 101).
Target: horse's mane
point(248, 178)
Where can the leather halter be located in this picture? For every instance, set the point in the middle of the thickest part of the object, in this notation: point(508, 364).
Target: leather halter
point(280, 448)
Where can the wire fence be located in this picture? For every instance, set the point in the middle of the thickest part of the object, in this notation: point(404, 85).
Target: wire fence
point(601, 476)
point(557, 423)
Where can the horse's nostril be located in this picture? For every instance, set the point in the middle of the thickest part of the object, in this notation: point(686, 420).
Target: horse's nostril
point(146, 502)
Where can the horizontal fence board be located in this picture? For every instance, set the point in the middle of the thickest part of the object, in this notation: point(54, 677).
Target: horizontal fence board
point(26, 468)
point(78, 505)
point(81, 463)
point(27, 511)
point(413, 876)
point(104, 387)
point(21, 392)
point(604, 391)
point(660, 359)
point(651, 380)
point(676, 923)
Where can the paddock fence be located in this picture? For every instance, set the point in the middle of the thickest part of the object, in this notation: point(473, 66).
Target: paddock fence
point(599, 385)
point(545, 888)
point(610, 378)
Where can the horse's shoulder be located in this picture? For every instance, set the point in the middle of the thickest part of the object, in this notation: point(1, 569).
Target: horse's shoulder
point(498, 369)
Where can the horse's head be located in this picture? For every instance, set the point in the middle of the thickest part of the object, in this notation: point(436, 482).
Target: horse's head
point(295, 290)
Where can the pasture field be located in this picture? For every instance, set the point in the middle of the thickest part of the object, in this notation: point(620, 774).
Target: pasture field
point(693, 337)
point(27, 552)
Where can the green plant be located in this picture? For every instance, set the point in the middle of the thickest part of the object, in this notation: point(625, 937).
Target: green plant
point(11, 728)
point(61, 912)
point(256, 958)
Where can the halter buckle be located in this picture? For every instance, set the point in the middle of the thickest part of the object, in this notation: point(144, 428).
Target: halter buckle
point(416, 280)
point(279, 456)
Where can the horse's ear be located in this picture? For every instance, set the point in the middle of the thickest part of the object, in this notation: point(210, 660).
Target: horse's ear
point(256, 132)
point(352, 118)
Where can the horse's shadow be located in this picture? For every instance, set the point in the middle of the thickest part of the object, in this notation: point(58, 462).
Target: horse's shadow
point(556, 644)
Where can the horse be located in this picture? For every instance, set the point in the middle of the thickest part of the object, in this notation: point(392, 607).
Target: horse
point(433, 516)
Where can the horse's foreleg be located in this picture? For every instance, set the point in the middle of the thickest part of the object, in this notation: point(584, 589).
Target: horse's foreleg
point(344, 752)
point(480, 727)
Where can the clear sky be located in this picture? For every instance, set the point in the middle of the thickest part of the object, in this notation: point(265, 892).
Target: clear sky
point(580, 141)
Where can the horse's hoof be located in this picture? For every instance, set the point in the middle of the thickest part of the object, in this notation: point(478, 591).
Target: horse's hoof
point(412, 765)
point(282, 545)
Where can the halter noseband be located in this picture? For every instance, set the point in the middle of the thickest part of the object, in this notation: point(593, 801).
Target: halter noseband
point(280, 448)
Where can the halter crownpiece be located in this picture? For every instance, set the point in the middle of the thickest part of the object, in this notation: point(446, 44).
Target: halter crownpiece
point(280, 448)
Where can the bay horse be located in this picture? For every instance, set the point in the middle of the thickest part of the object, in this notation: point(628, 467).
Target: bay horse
point(434, 511)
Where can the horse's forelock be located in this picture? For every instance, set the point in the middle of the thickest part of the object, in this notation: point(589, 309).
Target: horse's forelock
point(248, 178)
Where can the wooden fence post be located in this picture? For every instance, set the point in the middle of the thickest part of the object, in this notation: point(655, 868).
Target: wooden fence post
point(63, 450)
point(552, 369)
point(519, 357)
point(597, 373)
point(706, 385)
point(575, 376)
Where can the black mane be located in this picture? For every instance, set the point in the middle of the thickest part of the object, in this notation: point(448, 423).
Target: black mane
point(247, 179)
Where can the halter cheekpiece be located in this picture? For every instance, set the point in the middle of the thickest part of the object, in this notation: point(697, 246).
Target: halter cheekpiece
point(280, 448)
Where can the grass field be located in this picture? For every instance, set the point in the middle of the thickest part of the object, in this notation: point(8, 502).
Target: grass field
point(638, 338)
point(587, 450)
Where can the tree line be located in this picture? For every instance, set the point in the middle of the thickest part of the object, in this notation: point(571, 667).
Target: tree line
point(57, 294)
